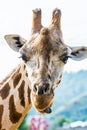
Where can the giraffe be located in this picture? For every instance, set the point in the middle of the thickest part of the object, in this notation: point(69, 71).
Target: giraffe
point(33, 63)
point(15, 91)
point(14, 98)
point(44, 55)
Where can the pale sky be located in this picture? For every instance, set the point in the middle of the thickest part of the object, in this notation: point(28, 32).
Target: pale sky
point(15, 17)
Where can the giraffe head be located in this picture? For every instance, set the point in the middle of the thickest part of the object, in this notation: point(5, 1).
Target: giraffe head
point(42, 93)
point(45, 55)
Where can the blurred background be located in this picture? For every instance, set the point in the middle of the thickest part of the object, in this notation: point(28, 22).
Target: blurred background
point(70, 105)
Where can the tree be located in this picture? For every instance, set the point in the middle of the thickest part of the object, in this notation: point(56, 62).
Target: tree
point(60, 121)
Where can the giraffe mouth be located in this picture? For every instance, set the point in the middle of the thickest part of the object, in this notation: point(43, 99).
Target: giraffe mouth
point(48, 110)
point(42, 103)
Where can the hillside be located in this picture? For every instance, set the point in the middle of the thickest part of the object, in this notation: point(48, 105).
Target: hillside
point(72, 85)
point(75, 110)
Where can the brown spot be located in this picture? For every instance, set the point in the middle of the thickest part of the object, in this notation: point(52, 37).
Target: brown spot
point(21, 93)
point(46, 66)
point(49, 76)
point(24, 67)
point(60, 41)
point(59, 81)
point(26, 74)
point(60, 76)
point(4, 92)
point(1, 113)
point(16, 79)
point(13, 114)
point(29, 100)
point(48, 59)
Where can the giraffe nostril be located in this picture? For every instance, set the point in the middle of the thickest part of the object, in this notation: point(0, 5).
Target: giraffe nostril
point(40, 91)
point(46, 87)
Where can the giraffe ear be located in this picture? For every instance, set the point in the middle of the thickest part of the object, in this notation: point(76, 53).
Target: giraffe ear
point(15, 41)
point(78, 53)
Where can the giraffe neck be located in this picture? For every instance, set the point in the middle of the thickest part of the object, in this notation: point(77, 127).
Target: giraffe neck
point(14, 98)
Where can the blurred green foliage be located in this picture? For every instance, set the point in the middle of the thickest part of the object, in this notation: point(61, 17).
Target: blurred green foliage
point(60, 121)
point(24, 125)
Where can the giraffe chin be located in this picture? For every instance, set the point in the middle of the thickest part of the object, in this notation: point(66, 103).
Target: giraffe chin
point(42, 103)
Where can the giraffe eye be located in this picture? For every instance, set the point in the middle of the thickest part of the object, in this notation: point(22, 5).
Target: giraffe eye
point(64, 58)
point(24, 57)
